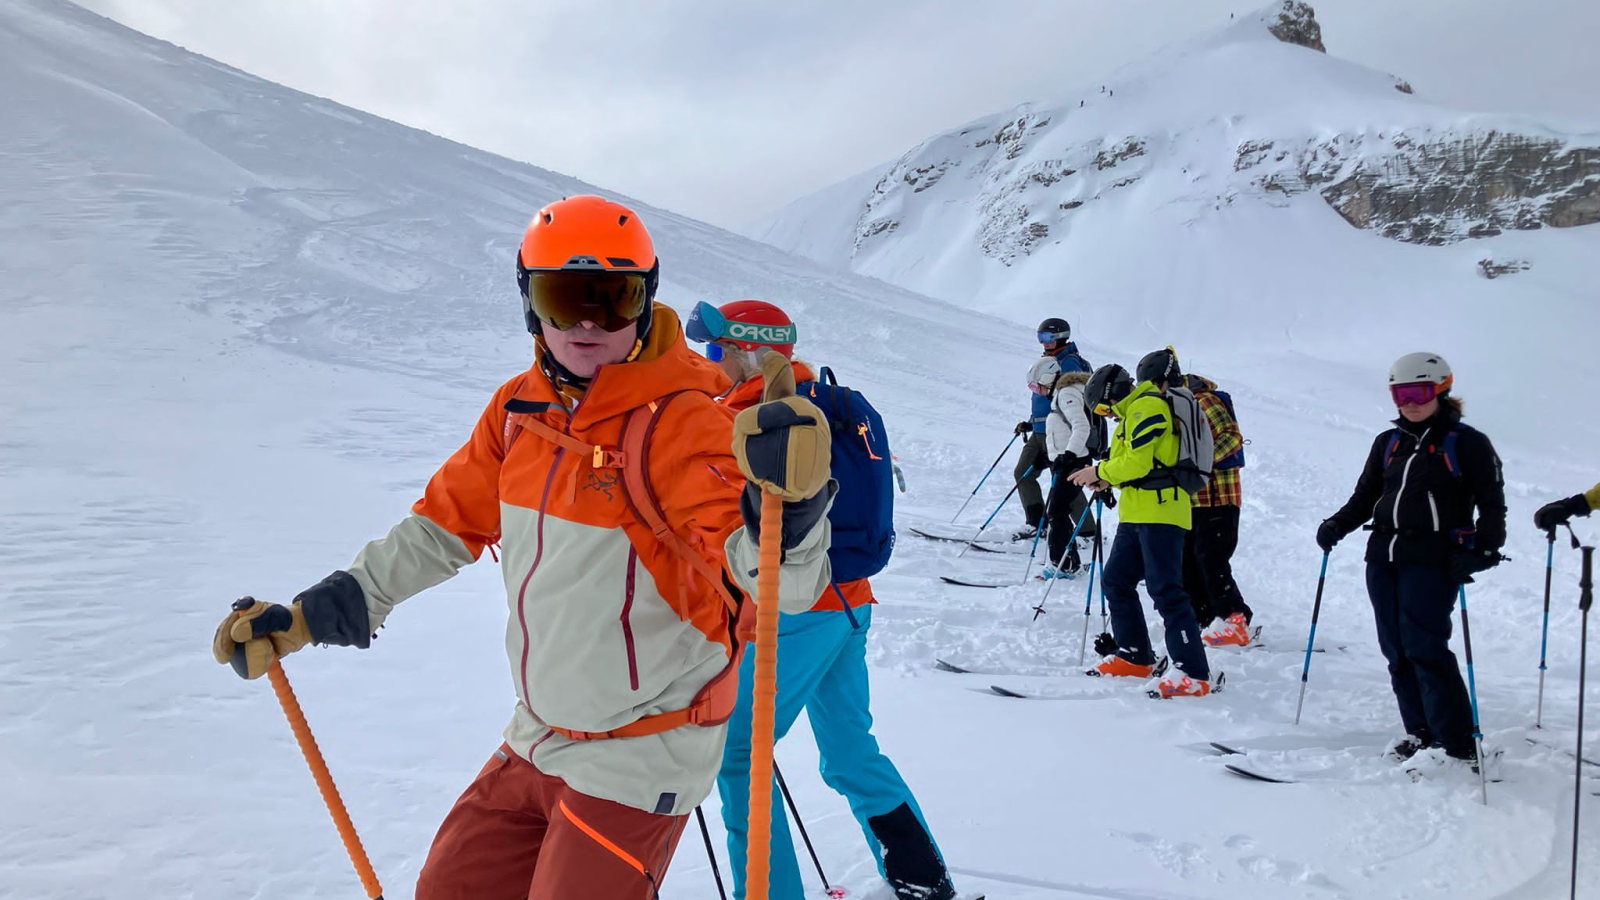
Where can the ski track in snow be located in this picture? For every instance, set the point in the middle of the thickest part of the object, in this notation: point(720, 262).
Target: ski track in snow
point(294, 312)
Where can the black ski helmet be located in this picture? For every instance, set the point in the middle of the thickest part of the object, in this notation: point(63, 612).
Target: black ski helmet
point(1053, 329)
point(1108, 386)
point(1160, 367)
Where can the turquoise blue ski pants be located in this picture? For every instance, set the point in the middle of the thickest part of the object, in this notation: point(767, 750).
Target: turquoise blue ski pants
point(822, 668)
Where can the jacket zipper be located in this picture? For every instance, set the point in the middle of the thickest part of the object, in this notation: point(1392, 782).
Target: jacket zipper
point(627, 625)
point(1405, 478)
point(1433, 507)
point(522, 608)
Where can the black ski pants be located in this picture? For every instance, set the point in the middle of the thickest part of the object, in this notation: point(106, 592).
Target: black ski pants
point(1208, 564)
point(1153, 553)
point(1033, 462)
point(1067, 507)
point(1413, 605)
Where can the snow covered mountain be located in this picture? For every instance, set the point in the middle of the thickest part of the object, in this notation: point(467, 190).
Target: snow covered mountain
point(1249, 149)
point(239, 326)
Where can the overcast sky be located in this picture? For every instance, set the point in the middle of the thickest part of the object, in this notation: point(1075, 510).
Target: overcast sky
point(727, 109)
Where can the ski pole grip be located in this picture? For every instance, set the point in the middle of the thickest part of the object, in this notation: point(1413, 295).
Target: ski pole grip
point(1586, 581)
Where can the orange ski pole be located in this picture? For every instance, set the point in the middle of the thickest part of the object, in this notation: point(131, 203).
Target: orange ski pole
point(319, 772)
point(764, 697)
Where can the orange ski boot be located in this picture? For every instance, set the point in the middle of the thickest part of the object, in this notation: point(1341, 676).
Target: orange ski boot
point(1230, 632)
point(1180, 685)
point(1116, 667)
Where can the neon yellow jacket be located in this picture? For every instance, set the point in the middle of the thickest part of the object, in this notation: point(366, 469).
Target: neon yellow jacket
point(1144, 437)
point(1593, 496)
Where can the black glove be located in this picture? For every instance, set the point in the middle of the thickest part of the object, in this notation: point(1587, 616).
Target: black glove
point(799, 516)
point(1024, 427)
point(1105, 644)
point(1551, 515)
point(1061, 465)
point(1328, 535)
point(1465, 563)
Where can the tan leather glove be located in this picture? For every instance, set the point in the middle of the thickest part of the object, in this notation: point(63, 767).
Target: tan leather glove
point(783, 444)
point(255, 634)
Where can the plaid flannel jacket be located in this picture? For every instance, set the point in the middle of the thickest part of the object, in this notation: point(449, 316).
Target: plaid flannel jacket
point(1224, 489)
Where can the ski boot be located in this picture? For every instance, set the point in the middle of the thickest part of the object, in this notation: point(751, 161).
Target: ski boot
point(1178, 684)
point(1115, 666)
point(1025, 533)
point(1434, 762)
point(1233, 631)
point(1403, 748)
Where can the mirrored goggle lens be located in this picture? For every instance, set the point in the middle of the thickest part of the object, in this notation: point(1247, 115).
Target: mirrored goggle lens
point(706, 324)
point(714, 352)
point(1413, 394)
point(1038, 389)
point(1102, 410)
point(611, 300)
point(1050, 337)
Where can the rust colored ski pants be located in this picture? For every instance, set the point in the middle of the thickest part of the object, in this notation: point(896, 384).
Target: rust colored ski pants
point(519, 834)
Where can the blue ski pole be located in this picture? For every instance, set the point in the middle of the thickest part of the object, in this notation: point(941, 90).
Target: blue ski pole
point(1039, 610)
point(985, 477)
point(1316, 610)
point(1094, 563)
point(1044, 522)
point(1472, 693)
point(1003, 501)
point(1544, 630)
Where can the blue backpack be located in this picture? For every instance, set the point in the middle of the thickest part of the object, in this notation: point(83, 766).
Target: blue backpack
point(863, 511)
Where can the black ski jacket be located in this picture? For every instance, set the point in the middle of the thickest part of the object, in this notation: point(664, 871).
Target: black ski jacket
point(1421, 510)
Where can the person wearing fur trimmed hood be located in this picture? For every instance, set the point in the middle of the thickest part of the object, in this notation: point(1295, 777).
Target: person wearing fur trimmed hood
point(1067, 431)
point(1422, 481)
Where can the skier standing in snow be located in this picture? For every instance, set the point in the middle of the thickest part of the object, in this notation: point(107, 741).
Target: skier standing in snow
point(1055, 336)
point(1067, 433)
point(822, 668)
point(623, 637)
point(1208, 549)
point(1552, 515)
point(1419, 487)
point(1153, 515)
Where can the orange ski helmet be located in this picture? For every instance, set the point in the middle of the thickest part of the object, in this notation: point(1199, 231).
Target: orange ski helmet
point(587, 258)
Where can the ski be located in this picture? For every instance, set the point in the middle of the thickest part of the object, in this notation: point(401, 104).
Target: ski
point(1537, 742)
point(977, 584)
point(1242, 772)
point(1006, 692)
point(994, 547)
point(943, 666)
point(940, 537)
point(1225, 750)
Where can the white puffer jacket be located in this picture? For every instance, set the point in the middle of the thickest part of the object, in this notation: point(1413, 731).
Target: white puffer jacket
point(1067, 426)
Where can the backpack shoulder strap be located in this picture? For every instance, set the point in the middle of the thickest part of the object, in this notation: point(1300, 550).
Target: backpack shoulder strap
point(1394, 444)
point(637, 428)
point(826, 376)
point(1448, 449)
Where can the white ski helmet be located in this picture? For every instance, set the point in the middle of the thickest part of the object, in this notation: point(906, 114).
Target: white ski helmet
point(1416, 368)
point(1044, 371)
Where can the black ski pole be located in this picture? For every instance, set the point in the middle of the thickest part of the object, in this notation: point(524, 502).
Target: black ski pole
point(985, 477)
point(1316, 610)
point(1544, 630)
point(795, 814)
point(711, 853)
point(1472, 694)
point(1585, 600)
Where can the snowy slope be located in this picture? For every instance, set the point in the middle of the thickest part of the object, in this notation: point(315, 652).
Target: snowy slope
point(239, 326)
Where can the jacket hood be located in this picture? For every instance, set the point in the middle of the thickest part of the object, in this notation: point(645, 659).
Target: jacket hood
point(1199, 384)
point(1071, 378)
point(665, 365)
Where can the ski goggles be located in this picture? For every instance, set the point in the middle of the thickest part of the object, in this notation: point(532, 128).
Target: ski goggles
point(1041, 389)
point(707, 323)
point(1051, 337)
point(563, 298)
point(714, 352)
point(1414, 394)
